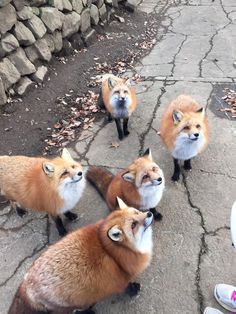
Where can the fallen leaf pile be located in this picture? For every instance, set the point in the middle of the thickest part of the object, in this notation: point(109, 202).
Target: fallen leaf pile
point(230, 99)
point(81, 115)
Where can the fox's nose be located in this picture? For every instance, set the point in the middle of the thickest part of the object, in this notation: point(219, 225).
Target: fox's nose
point(80, 173)
point(149, 214)
point(196, 134)
point(159, 179)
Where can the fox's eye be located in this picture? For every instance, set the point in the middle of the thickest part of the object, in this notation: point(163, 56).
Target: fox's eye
point(146, 177)
point(64, 173)
point(73, 166)
point(125, 91)
point(155, 169)
point(134, 224)
point(186, 128)
point(117, 92)
point(198, 126)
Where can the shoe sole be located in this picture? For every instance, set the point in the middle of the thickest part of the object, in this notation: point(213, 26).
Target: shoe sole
point(223, 304)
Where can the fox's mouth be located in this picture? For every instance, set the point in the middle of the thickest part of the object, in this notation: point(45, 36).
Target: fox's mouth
point(75, 181)
point(194, 139)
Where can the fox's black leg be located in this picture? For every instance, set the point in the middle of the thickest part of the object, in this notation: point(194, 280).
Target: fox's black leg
point(176, 173)
point(20, 211)
point(100, 102)
point(133, 289)
point(60, 227)
point(125, 126)
point(156, 215)
point(187, 164)
point(109, 117)
point(71, 216)
point(88, 311)
point(119, 129)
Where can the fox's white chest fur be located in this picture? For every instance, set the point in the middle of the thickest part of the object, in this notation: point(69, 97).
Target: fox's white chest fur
point(144, 244)
point(71, 194)
point(185, 148)
point(151, 195)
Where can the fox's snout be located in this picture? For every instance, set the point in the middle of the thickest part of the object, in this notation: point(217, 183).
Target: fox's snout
point(148, 220)
point(194, 136)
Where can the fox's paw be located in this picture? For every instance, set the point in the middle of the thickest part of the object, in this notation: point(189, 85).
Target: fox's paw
point(88, 311)
point(187, 165)
point(133, 289)
point(121, 136)
point(156, 215)
point(126, 133)
point(21, 211)
point(175, 177)
point(71, 216)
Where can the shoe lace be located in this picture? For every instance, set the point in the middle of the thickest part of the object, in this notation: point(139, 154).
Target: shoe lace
point(233, 296)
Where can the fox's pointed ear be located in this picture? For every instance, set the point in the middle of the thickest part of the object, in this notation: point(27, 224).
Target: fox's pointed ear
point(121, 203)
point(66, 154)
point(115, 234)
point(148, 154)
point(129, 177)
point(48, 168)
point(127, 81)
point(202, 111)
point(111, 82)
point(177, 116)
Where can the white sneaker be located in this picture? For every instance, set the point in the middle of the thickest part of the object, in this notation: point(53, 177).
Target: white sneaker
point(210, 310)
point(226, 296)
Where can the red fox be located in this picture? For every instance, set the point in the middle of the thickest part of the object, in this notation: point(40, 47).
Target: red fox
point(119, 100)
point(141, 185)
point(53, 186)
point(184, 130)
point(88, 265)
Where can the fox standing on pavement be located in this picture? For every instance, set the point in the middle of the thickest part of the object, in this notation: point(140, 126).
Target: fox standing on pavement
point(184, 130)
point(88, 265)
point(50, 185)
point(141, 185)
point(119, 100)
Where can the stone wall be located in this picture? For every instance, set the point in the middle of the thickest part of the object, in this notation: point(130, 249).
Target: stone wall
point(32, 30)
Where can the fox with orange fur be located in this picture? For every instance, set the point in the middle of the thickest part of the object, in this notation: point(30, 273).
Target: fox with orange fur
point(88, 265)
point(49, 185)
point(184, 130)
point(140, 185)
point(119, 100)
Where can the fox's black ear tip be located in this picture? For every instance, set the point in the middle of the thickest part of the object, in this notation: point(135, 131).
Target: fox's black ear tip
point(200, 110)
point(147, 152)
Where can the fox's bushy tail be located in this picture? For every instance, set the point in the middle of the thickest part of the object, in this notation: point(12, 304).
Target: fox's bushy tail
point(20, 306)
point(100, 178)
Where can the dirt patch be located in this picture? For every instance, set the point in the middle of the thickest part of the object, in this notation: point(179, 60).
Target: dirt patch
point(29, 121)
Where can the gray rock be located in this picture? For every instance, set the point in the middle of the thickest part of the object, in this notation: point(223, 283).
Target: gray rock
point(67, 48)
point(76, 41)
point(50, 41)
point(57, 39)
point(3, 97)
point(7, 18)
point(94, 13)
point(23, 85)
point(21, 62)
point(89, 37)
point(56, 4)
point(43, 49)
point(71, 24)
point(99, 3)
point(37, 3)
point(36, 26)
point(3, 3)
point(19, 4)
point(40, 74)
point(25, 14)
point(77, 5)
point(85, 20)
point(32, 54)
point(67, 7)
point(8, 43)
point(103, 12)
point(85, 2)
point(108, 2)
point(52, 18)
point(36, 11)
point(23, 34)
point(132, 4)
point(9, 73)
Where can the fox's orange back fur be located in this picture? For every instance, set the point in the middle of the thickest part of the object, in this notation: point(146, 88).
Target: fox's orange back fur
point(122, 88)
point(22, 179)
point(87, 266)
point(189, 107)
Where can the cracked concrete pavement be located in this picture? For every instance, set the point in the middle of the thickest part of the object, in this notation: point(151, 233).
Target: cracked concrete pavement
point(194, 54)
